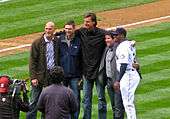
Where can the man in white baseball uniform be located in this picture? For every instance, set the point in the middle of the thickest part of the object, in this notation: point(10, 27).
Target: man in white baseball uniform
point(129, 78)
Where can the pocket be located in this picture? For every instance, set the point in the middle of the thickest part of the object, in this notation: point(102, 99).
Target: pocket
point(75, 50)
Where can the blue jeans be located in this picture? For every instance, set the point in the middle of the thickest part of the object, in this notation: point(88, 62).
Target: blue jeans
point(73, 84)
point(116, 101)
point(87, 100)
point(35, 93)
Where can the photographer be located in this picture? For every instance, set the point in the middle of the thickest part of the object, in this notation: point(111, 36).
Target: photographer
point(11, 102)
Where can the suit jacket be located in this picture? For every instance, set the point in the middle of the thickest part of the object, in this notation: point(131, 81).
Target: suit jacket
point(37, 64)
point(102, 68)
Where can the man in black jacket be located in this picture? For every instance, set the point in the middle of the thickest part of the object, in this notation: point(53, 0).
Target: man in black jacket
point(93, 44)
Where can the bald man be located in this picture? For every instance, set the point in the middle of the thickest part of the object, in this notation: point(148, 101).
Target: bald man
point(44, 56)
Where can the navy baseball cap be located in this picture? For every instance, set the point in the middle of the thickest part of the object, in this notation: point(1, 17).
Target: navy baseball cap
point(120, 30)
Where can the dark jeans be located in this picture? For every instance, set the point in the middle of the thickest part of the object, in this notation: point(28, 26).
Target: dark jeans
point(35, 93)
point(87, 100)
point(116, 101)
point(73, 84)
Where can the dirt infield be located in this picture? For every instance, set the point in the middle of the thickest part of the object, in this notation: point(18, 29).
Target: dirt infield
point(106, 19)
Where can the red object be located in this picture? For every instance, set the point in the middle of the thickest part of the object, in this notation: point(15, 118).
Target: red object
point(4, 84)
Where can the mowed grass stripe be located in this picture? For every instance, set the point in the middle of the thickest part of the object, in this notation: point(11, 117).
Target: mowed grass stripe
point(161, 56)
point(153, 53)
point(148, 29)
point(40, 19)
point(153, 50)
point(157, 94)
point(152, 35)
point(13, 63)
point(20, 72)
point(160, 65)
point(54, 7)
point(152, 43)
point(158, 113)
point(15, 57)
point(155, 76)
point(161, 103)
point(154, 85)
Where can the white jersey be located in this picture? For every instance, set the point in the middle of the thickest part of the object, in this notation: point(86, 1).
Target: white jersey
point(125, 53)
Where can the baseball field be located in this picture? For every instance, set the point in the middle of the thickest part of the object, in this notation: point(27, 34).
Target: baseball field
point(22, 17)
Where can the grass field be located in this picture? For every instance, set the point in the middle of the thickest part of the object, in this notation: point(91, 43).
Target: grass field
point(19, 17)
point(153, 93)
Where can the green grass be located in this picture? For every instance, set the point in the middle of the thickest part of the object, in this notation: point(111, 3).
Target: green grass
point(153, 93)
point(19, 17)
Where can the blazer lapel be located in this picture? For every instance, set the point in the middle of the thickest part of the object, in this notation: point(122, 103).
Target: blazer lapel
point(102, 63)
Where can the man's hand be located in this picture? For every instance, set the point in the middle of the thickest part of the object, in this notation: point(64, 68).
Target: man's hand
point(34, 82)
point(135, 65)
point(80, 84)
point(116, 86)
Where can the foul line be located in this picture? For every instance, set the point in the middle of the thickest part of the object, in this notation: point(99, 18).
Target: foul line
point(14, 48)
point(141, 22)
point(112, 28)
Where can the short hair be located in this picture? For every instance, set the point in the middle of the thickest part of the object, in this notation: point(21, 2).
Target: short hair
point(57, 75)
point(111, 33)
point(70, 22)
point(92, 16)
point(122, 31)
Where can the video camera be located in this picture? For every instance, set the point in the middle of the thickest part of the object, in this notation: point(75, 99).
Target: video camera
point(17, 86)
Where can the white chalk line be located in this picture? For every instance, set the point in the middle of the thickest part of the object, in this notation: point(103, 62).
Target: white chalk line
point(141, 22)
point(112, 28)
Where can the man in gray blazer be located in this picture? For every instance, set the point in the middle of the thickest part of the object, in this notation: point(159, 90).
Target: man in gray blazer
point(108, 70)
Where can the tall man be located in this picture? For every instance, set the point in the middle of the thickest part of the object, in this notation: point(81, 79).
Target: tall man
point(110, 73)
point(70, 57)
point(93, 44)
point(129, 78)
point(43, 57)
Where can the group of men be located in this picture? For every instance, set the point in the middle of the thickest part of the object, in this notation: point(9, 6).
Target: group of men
point(90, 54)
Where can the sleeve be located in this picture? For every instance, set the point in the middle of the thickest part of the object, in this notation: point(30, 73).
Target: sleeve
point(122, 70)
point(73, 102)
point(123, 55)
point(23, 104)
point(81, 60)
point(34, 56)
point(41, 102)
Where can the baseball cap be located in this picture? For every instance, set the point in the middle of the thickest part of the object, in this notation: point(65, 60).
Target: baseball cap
point(4, 84)
point(121, 30)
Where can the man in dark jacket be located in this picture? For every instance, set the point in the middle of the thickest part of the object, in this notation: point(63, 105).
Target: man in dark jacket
point(93, 44)
point(43, 57)
point(56, 100)
point(70, 58)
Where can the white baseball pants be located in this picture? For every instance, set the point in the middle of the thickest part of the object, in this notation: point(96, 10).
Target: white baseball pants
point(128, 85)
